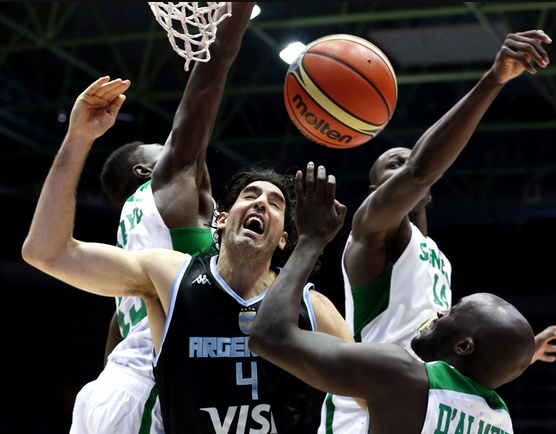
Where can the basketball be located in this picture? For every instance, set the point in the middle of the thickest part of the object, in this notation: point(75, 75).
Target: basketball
point(341, 91)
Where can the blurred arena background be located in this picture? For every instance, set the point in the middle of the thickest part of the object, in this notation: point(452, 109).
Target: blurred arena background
point(493, 213)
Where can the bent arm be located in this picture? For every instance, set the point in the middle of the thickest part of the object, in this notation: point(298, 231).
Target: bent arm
point(331, 322)
point(180, 178)
point(328, 363)
point(380, 226)
point(50, 246)
point(431, 156)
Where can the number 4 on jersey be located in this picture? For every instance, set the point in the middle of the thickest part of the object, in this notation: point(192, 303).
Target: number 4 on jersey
point(249, 381)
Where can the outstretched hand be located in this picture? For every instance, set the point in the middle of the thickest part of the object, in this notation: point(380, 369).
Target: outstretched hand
point(319, 215)
point(95, 110)
point(518, 50)
point(544, 350)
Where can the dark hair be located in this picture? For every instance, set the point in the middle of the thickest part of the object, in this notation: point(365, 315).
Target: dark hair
point(284, 182)
point(117, 178)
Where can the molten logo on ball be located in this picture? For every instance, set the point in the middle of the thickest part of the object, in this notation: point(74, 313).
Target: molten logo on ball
point(321, 126)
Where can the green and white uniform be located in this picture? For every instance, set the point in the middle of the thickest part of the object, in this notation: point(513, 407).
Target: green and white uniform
point(391, 309)
point(458, 404)
point(123, 398)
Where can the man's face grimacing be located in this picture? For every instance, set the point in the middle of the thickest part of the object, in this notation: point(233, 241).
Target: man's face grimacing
point(436, 341)
point(256, 220)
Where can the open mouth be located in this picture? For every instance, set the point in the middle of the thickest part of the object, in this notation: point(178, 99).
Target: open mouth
point(254, 224)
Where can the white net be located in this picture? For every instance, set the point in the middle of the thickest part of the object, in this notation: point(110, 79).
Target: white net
point(195, 26)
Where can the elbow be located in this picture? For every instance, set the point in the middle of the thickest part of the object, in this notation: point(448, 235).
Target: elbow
point(256, 341)
point(261, 342)
point(423, 174)
point(267, 342)
point(40, 257)
point(31, 254)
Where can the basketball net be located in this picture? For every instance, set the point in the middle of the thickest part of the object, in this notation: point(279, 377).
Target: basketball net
point(186, 16)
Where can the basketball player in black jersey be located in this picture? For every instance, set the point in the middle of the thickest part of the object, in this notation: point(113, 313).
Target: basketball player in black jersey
point(200, 310)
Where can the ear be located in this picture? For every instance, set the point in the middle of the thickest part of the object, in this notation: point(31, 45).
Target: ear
point(465, 347)
point(221, 220)
point(283, 240)
point(142, 171)
point(372, 188)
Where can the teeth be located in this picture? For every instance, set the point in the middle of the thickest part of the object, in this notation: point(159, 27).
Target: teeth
point(257, 219)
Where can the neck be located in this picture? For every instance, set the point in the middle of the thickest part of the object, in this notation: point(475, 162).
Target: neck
point(246, 278)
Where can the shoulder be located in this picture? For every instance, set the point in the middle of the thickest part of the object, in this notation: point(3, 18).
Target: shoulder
point(161, 260)
point(328, 318)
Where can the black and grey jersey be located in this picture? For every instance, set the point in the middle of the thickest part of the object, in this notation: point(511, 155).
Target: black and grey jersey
point(208, 381)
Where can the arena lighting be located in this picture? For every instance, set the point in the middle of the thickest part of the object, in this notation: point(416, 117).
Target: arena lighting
point(255, 12)
point(290, 53)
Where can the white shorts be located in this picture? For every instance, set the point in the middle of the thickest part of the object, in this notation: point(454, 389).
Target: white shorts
point(115, 403)
point(342, 415)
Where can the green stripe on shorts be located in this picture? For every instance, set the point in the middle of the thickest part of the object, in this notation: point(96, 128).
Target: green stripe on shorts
point(147, 419)
point(330, 409)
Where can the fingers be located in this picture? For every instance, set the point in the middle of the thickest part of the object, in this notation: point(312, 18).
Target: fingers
point(113, 89)
point(299, 195)
point(529, 48)
point(96, 85)
point(330, 189)
point(536, 34)
point(518, 58)
point(116, 105)
point(548, 359)
point(341, 210)
point(323, 186)
point(310, 179)
point(321, 180)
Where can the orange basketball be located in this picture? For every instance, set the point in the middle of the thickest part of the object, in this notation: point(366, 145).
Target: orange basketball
point(341, 91)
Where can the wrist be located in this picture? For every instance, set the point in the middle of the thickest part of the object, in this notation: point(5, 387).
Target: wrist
point(310, 244)
point(492, 81)
point(83, 139)
point(78, 142)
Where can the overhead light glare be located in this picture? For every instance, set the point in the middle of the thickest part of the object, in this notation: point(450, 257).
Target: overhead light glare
point(290, 53)
point(255, 12)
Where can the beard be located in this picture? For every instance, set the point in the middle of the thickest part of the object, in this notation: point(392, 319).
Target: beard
point(429, 345)
point(424, 348)
point(246, 249)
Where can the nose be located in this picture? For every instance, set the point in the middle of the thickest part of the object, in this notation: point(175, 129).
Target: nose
point(441, 313)
point(261, 202)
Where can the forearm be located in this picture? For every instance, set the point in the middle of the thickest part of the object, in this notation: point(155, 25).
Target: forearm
point(279, 314)
point(196, 113)
point(440, 145)
point(52, 224)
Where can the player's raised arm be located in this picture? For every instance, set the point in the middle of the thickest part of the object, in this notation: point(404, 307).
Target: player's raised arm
point(180, 180)
point(50, 245)
point(410, 175)
point(326, 362)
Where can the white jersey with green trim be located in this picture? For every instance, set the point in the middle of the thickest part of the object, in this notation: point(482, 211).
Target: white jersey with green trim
point(391, 309)
point(400, 303)
point(458, 404)
point(141, 227)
